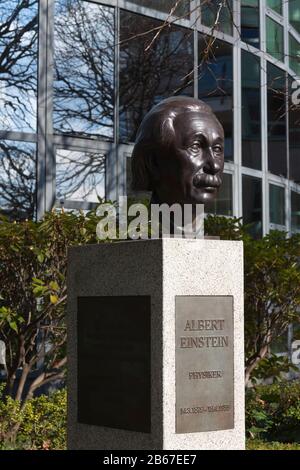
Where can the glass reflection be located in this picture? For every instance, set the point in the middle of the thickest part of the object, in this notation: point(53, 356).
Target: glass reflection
point(276, 5)
point(18, 65)
point(277, 138)
point(251, 118)
point(294, 137)
point(80, 176)
point(17, 179)
point(252, 205)
point(277, 205)
point(215, 85)
point(84, 68)
point(151, 67)
point(294, 14)
point(274, 36)
point(222, 205)
point(250, 22)
point(294, 54)
point(167, 6)
point(295, 205)
point(218, 15)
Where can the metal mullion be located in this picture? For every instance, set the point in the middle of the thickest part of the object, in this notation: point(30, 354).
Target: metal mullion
point(41, 108)
point(278, 63)
point(294, 186)
point(293, 74)
point(237, 131)
point(287, 63)
point(275, 16)
point(109, 3)
point(77, 205)
point(262, 26)
point(229, 167)
point(50, 150)
point(278, 180)
point(81, 143)
point(285, 12)
point(293, 32)
point(195, 21)
point(253, 50)
point(217, 34)
point(237, 21)
point(114, 160)
point(264, 121)
point(251, 172)
point(18, 136)
point(159, 15)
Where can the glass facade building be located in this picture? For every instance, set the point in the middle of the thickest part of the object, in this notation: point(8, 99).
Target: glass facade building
point(77, 77)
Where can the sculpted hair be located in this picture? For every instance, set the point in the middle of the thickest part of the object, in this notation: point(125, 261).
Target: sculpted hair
point(157, 129)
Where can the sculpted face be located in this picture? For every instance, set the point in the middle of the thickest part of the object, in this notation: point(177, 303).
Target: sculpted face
point(189, 169)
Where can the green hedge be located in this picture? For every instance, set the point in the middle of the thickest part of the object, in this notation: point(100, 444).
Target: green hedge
point(42, 422)
point(273, 412)
point(272, 419)
point(257, 444)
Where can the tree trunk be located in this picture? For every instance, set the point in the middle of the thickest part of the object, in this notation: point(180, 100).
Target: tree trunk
point(25, 372)
point(9, 386)
point(253, 362)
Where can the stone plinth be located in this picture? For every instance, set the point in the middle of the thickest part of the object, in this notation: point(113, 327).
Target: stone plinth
point(155, 345)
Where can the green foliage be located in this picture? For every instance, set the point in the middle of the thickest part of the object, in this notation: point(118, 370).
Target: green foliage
point(226, 228)
point(272, 366)
point(257, 444)
point(272, 290)
point(273, 411)
point(33, 264)
point(42, 422)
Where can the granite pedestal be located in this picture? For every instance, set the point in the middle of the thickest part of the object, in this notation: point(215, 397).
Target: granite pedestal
point(155, 345)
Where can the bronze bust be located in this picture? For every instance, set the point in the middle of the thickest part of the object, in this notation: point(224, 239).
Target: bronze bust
point(179, 152)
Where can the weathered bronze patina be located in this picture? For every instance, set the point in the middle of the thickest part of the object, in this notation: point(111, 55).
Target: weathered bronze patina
point(204, 363)
point(179, 152)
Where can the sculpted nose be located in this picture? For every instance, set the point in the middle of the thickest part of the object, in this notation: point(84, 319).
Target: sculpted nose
point(211, 165)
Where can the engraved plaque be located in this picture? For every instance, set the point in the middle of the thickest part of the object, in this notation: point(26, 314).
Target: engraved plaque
point(114, 387)
point(204, 363)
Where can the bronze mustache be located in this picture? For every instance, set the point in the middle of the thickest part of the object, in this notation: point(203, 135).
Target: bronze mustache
point(202, 180)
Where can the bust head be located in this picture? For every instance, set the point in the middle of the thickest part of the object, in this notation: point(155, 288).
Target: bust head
point(179, 152)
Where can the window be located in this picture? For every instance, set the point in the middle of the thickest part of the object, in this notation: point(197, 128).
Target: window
point(295, 205)
point(276, 5)
point(217, 15)
point(18, 65)
point(277, 138)
point(277, 205)
point(84, 69)
point(215, 85)
point(151, 68)
point(294, 138)
point(18, 179)
point(274, 34)
point(252, 205)
point(80, 176)
point(280, 344)
point(166, 6)
point(294, 54)
point(222, 205)
point(250, 22)
point(251, 118)
point(294, 13)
